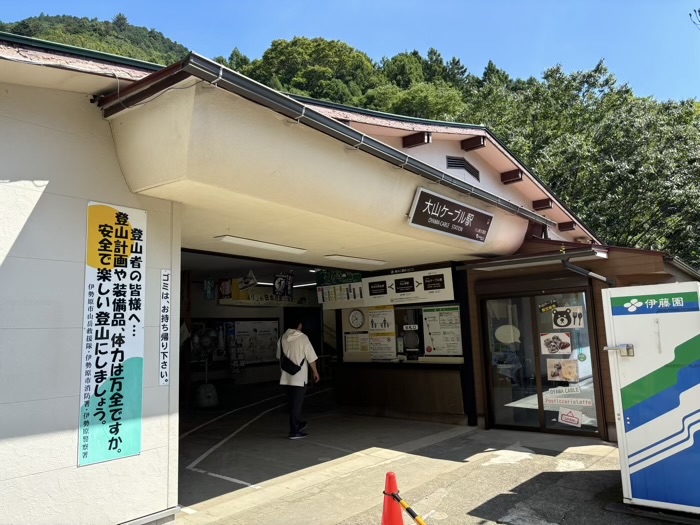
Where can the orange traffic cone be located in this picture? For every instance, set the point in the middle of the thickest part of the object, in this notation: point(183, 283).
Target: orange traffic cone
point(392, 514)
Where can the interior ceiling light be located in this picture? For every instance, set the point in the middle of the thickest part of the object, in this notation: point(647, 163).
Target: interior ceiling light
point(355, 260)
point(295, 286)
point(303, 285)
point(260, 244)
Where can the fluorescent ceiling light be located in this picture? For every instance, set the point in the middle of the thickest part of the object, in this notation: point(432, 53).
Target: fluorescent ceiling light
point(355, 260)
point(295, 286)
point(312, 271)
point(260, 244)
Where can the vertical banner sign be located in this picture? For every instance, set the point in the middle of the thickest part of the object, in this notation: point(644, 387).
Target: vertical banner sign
point(113, 334)
point(164, 327)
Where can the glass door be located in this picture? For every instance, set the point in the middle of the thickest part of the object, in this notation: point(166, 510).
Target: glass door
point(540, 363)
point(566, 364)
point(512, 362)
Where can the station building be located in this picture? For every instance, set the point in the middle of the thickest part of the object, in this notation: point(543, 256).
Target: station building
point(159, 224)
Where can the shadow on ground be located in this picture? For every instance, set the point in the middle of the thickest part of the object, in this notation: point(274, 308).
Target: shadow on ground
point(242, 466)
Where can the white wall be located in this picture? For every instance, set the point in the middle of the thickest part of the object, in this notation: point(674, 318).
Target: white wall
point(435, 154)
point(57, 154)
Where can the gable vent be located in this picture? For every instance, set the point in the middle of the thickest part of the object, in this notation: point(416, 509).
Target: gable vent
point(462, 163)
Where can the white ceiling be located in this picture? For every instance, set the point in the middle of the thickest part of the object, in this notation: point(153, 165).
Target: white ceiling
point(205, 266)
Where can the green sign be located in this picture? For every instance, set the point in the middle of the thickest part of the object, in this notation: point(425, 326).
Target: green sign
point(669, 303)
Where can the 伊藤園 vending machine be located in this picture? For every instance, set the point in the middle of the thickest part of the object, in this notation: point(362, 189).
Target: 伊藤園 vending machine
point(653, 336)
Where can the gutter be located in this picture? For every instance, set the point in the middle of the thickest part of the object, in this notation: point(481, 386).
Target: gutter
point(586, 273)
point(77, 51)
point(534, 259)
point(214, 73)
point(682, 266)
point(564, 258)
point(459, 125)
point(390, 116)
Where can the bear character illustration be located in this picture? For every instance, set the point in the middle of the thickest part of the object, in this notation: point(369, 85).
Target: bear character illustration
point(562, 318)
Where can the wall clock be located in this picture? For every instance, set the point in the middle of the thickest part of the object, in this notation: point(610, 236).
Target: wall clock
point(356, 318)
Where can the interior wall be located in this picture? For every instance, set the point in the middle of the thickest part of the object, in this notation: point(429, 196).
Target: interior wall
point(203, 308)
point(57, 155)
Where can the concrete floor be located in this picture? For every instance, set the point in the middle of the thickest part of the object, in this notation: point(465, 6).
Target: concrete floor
point(241, 470)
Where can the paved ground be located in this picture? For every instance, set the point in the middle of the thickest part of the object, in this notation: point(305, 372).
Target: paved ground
point(243, 471)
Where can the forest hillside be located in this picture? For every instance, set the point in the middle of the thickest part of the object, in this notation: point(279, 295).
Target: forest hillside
point(628, 166)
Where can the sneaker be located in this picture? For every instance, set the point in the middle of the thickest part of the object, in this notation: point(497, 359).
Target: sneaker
point(299, 435)
point(304, 426)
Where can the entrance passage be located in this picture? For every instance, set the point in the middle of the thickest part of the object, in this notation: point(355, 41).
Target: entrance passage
point(540, 363)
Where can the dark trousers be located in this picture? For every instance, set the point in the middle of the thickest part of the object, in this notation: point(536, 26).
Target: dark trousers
point(295, 402)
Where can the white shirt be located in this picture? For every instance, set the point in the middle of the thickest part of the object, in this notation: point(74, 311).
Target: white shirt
point(297, 347)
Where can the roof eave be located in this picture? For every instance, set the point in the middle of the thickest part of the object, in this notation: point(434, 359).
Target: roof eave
point(538, 258)
point(78, 51)
point(458, 125)
point(200, 67)
point(682, 266)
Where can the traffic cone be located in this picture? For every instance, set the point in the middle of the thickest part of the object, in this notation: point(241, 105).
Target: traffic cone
point(392, 514)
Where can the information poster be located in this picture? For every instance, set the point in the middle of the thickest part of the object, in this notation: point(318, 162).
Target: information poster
point(442, 331)
point(357, 342)
point(113, 334)
point(263, 296)
point(382, 332)
point(343, 295)
point(339, 289)
point(410, 287)
point(256, 340)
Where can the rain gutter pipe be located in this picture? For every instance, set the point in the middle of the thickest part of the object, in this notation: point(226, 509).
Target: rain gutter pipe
point(212, 72)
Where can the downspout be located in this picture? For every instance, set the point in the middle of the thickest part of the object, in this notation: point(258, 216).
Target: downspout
point(586, 273)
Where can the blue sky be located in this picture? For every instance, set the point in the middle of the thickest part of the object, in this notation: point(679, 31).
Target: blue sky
point(649, 44)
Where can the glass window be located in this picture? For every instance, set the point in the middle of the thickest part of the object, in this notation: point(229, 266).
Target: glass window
point(563, 339)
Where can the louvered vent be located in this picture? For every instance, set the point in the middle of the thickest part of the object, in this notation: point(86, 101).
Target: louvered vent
point(464, 164)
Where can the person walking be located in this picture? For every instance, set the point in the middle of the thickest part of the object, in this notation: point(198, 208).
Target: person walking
point(295, 346)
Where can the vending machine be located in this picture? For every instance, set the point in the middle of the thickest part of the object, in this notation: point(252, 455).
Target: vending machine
point(653, 344)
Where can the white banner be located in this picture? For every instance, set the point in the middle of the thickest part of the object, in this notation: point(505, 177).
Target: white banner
point(113, 334)
point(164, 340)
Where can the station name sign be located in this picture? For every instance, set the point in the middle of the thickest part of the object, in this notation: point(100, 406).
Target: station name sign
point(433, 212)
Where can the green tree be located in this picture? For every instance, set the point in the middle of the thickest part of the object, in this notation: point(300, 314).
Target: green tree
point(237, 60)
point(403, 70)
point(382, 98)
point(117, 37)
point(311, 67)
point(120, 22)
point(436, 101)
